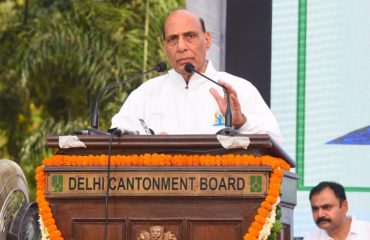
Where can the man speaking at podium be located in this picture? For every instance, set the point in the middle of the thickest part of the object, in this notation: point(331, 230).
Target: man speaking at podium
point(180, 102)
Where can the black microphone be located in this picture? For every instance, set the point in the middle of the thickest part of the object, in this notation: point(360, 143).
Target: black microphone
point(122, 131)
point(94, 121)
point(160, 67)
point(228, 130)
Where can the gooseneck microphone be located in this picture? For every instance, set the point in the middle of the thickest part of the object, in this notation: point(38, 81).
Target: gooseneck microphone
point(94, 121)
point(160, 67)
point(228, 130)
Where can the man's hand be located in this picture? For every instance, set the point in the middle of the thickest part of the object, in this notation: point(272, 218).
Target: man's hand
point(238, 117)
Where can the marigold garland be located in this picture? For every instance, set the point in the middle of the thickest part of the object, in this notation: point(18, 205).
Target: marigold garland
point(254, 231)
point(266, 229)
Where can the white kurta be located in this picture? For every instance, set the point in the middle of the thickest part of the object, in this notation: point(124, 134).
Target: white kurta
point(167, 104)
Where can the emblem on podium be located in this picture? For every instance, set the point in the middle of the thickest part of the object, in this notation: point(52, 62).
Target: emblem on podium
point(156, 233)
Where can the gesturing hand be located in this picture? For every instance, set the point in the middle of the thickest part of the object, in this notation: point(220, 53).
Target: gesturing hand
point(238, 117)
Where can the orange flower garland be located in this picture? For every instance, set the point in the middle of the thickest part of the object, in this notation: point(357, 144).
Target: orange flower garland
point(277, 164)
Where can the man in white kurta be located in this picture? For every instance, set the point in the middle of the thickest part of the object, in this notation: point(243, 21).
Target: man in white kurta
point(168, 104)
point(187, 103)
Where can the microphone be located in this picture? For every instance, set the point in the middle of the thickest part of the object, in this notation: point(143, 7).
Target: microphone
point(94, 121)
point(160, 67)
point(122, 131)
point(228, 130)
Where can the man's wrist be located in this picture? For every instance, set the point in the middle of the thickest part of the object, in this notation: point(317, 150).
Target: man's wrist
point(244, 120)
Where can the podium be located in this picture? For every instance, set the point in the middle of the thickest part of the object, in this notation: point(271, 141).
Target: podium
point(175, 196)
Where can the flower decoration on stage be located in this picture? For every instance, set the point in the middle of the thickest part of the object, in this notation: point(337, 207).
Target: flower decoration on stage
point(261, 228)
point(47, 223)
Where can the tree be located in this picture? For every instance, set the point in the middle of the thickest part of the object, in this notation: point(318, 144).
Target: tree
point(57, 55)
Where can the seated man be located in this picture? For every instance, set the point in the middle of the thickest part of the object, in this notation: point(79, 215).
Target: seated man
point(186, 103)
point(329, 210)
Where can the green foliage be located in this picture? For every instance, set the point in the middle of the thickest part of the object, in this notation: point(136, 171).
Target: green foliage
point(278, 225)
point(279, 212)
point(272, 236)
point(56, 55)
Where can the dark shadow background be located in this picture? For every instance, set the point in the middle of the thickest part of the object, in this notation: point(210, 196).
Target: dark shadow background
point(248, 42)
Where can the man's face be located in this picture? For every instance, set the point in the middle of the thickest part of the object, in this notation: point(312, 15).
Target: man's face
point(185, 42)
point(327, 211)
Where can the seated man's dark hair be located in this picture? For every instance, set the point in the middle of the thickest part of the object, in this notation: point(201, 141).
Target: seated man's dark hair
point(337, 188)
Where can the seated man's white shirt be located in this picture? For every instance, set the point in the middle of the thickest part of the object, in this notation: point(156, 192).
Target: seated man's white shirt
point(360, 230)
point(167, 104)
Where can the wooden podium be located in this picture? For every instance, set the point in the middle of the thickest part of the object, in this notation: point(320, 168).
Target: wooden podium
point(175, 202)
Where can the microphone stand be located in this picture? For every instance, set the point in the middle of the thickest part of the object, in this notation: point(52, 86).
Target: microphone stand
point(228, 130)
point(94, 121)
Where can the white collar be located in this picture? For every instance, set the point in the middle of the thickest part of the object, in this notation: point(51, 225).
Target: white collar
point(353, 230)
point(354, 226)
point(196, 79)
